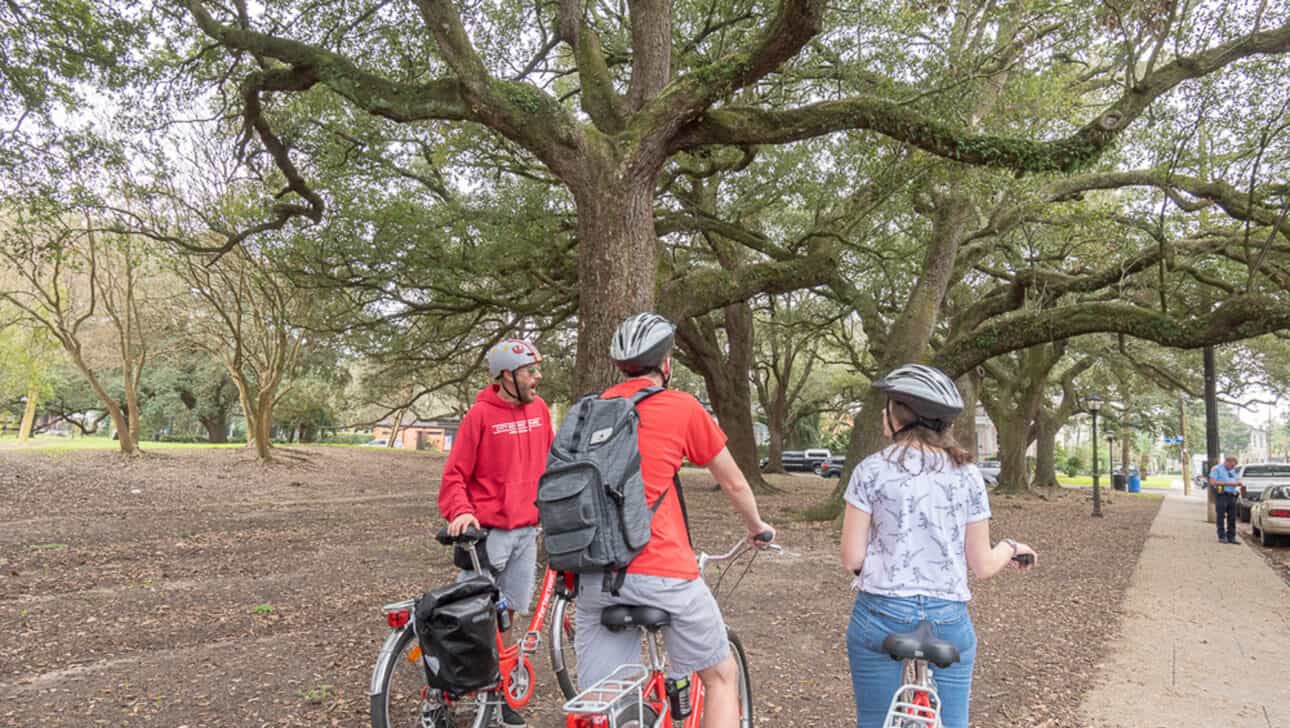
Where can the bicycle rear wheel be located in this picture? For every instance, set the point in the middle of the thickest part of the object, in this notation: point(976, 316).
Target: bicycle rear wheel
point(400, 697)
point(563, 659)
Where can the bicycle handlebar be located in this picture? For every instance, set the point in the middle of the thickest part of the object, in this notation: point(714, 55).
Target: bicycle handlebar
point(738, 550)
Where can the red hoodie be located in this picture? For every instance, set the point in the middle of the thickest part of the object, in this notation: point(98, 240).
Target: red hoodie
point(495, 461)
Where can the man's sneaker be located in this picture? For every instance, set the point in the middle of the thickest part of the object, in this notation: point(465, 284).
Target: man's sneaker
point(510, 718)
point(1232, 540)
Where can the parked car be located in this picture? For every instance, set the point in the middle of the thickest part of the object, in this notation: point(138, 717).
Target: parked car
point(816, 456)
point(381, 443)
point(1270, 516)
point(791, 460)
point(990, 471)
point(794, 461)
point(1257, 477)
point(831, 468)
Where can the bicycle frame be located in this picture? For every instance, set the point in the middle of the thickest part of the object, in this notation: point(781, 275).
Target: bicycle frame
point(513, 660)
point(518, 685)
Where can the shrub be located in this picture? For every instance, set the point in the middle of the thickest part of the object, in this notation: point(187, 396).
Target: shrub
point(347, 438)
point(1072, 466)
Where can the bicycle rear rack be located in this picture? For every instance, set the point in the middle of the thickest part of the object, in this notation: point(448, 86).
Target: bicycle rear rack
point(905, 713)
point(621, 688)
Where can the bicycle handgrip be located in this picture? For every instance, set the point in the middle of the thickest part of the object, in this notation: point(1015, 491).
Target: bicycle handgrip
point(470, 535)
point(1024, 559)
point(765, 536)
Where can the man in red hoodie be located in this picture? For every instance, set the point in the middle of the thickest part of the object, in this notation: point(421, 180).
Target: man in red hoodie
point(491, 476)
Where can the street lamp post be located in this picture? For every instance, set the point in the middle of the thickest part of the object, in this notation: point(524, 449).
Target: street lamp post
point(1094, 403)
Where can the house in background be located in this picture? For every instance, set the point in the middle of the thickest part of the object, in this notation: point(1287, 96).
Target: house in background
point(1259, 450)
point(421, 434)
point(987, 437)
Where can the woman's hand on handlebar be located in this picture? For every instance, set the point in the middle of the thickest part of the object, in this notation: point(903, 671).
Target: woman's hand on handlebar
point(1025, 558)
point(461, 523)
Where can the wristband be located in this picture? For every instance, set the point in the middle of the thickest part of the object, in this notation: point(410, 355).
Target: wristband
point(1012, 545)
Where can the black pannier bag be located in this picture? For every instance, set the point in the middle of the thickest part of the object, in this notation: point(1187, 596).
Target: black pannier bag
point(457, 628)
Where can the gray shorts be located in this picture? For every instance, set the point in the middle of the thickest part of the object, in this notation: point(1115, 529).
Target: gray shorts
point(513, 555)
point(695, 640)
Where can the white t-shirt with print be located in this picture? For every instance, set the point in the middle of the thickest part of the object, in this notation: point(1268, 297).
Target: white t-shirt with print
point(920, 505)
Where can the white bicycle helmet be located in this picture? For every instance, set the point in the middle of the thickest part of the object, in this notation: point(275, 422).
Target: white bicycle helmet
point(508, 355)
point(928, 391)
point(641, 342)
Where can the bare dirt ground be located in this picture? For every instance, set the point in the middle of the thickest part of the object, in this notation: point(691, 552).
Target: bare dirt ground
point(197, 588)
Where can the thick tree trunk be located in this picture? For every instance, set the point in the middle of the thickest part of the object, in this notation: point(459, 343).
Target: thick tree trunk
point(216, 427)
point(617, 267)
point(728, 379)
point(264, 431)
point(1014, 438)
point(28, 415)
point(965, 425)
point(909, 336)
point(776, 425)
point(1046, 453)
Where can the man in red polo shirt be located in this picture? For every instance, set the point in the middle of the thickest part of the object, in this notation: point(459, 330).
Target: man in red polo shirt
point(491, 476)
point(673, 427)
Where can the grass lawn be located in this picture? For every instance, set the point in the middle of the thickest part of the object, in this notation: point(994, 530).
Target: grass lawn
point(1163, 482)
point(49, 443)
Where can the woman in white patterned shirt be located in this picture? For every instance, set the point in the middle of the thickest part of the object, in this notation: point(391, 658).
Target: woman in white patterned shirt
point(917, 517)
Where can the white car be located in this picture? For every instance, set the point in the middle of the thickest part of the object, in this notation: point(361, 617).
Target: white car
point(1270, 516)
point(1257, 477)
point(381, 443)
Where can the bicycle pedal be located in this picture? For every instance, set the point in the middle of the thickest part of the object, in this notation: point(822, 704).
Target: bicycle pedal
point(531, 642)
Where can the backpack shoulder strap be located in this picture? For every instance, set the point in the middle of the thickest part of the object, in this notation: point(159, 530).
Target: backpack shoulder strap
point(685, 515)
point(644, 394)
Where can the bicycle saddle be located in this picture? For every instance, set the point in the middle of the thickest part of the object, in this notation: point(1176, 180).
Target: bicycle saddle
point(624, 616)
point(921, 644)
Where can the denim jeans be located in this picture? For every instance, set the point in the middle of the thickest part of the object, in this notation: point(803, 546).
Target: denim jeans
point(875, 677)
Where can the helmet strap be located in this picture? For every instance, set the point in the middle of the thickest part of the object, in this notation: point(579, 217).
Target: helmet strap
point(501, 381)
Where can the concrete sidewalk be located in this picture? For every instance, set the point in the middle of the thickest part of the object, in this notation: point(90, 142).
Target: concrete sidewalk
point(1175, 664)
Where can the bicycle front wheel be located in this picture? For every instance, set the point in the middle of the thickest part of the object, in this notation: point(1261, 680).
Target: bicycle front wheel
point(564, 660)
point(401, 698)
point(744, 680)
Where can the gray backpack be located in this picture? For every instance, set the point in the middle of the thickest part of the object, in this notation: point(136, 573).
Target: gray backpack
point(591, 499)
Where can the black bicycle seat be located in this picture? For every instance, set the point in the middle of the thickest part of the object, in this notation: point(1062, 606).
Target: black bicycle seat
point(624, 616)
point(921, 644)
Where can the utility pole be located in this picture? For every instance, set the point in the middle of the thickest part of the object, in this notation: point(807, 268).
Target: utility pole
point(1211, 427)
point(1182, 446)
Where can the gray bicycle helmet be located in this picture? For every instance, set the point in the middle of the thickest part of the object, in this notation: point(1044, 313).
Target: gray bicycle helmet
point(641, 342)
point(508, 355)
point(928, 391)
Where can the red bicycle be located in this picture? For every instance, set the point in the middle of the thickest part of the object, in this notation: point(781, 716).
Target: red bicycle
point(400, 696)
point(642, 696)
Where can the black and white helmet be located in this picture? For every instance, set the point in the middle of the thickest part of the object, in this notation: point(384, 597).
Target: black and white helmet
point(641, 342)
point(928, 391)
